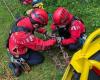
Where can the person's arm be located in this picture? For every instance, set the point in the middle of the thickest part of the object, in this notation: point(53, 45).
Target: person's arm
point(42, 30)
point(37, 44)
point(75, 30)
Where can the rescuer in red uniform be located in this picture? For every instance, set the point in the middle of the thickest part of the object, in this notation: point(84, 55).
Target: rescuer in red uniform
point(70, 28)
point(23, 45)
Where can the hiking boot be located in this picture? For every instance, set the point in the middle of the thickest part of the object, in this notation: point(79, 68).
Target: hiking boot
point(16, 69)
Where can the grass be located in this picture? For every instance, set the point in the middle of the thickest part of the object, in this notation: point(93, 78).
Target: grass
point(87, 10)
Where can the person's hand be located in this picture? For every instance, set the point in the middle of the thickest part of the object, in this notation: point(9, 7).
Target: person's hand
point(47, 35)
point(59, 39)
point(53, 36)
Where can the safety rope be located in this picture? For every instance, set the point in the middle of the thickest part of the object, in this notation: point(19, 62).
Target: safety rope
point(8, 9)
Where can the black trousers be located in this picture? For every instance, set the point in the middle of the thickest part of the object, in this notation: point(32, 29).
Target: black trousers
point(33, 57)
point(75, 46)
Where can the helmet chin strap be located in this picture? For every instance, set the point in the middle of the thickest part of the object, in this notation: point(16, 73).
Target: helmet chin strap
point(36, 26)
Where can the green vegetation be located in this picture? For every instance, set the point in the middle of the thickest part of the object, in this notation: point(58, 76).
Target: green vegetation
point(87, 10)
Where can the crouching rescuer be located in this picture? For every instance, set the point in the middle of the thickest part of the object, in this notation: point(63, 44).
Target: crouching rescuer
point(70, 28)
point(23, 46)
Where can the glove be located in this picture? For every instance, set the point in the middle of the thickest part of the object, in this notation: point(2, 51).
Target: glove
point(53, 36)
point(59, 39)
point(47, 35)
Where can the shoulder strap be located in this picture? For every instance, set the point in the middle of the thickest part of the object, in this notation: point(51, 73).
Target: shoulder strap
point(18, 29)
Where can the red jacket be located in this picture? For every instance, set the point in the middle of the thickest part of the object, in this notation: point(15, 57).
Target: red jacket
point(26, 2)
point(19, 42)
point(76, 28)
point(97, 71)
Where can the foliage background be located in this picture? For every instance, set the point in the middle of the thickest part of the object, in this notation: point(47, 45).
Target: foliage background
point(87, 10)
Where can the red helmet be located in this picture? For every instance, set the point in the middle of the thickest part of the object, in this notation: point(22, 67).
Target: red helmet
point(39, 16)
point(61, 16)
